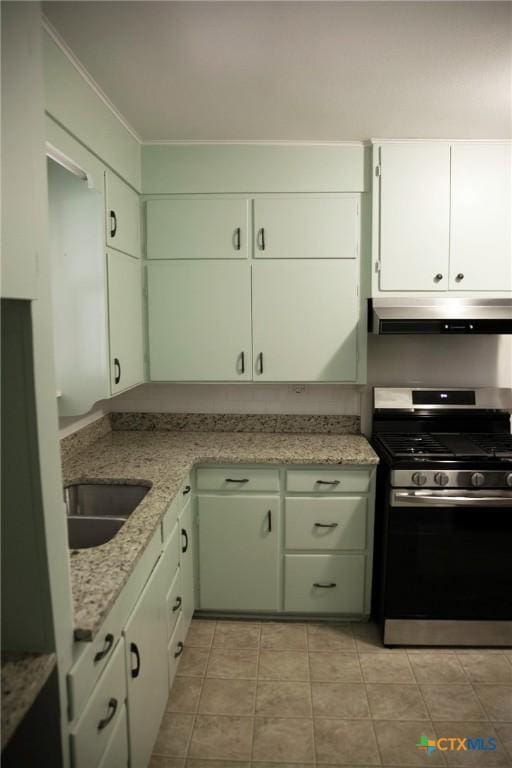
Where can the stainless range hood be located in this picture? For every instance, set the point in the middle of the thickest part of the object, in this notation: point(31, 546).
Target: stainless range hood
point(439, 316)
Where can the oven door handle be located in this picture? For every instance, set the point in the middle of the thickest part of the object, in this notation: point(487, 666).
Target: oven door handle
point(451, 499)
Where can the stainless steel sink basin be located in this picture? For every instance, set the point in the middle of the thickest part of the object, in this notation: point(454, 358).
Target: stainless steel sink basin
point(96, 512)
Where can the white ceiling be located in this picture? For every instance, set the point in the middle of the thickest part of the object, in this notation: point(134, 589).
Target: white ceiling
point(298, 70)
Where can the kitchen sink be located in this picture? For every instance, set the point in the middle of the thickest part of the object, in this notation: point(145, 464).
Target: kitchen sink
point(97, 511)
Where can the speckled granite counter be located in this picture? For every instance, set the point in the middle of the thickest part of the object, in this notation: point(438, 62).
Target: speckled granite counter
point(23, 676)
point(164, 459)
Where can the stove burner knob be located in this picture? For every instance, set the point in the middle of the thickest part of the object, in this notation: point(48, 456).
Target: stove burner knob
point(509, 479)
point(441, 478)
point(419, 478)
point(477, 479)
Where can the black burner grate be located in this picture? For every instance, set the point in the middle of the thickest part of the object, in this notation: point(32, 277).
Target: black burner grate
point(499, 445)
point(412, 444)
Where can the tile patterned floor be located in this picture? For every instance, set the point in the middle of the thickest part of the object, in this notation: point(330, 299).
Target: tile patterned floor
point(289, 695)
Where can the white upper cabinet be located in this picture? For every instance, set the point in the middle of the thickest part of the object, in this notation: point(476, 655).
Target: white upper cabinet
point(306, 227)
point(122, 215)
point(481, 205)
point(199, 320)
point(414, 222)
point(125, 321)
point(305, 320)
point(185, 228)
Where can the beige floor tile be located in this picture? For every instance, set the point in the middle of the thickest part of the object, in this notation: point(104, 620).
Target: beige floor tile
point(283, 699)
point(333, 666)
point(283, 665)
point(281, 739)
point(330, 637)
point(342, 742)
point(193, 662)
point(344, 701)
point(437, 668)
point(184, 696)
point(283, 636)
point(397, 742)
point(496, 700)
point(221, 738)
point(504, 731)
point(227, 697)
point(157, 761)
point(200, 633)
point(396, 702)
point(486, 667)
point(174, 735)
point(237, 634)
point(386, 668)
point(233, 664)
point(472, 758)
point(280, 765)
point(368, 637)
point(452, 702)
point(216, 764)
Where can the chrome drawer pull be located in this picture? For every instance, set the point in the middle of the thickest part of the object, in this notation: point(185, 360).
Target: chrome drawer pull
point(331, 585)
point(180, 650)
point(177, 605)
point(326, 525)
point(242, 480)
point(109, 642)
point(327, 482)
point(112, 705)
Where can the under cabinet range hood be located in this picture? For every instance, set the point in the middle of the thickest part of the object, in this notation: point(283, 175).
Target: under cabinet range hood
point(414, 315)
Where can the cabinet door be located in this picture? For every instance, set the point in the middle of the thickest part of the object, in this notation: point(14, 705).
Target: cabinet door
point(187, 564)
point(147, 669)
point(305, 318)
point(125, 321)
point(197, 229)
point(122, 215)
point(116, 753)
point(238, 553)
point(414, 216)
point(480, 246)
point(306, 227)
point(199, 316)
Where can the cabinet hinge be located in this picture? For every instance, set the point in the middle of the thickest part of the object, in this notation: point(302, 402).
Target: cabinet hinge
point(377, 266)
point(378, 170)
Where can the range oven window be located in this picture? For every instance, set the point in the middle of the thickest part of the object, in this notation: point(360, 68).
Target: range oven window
point(449, 562)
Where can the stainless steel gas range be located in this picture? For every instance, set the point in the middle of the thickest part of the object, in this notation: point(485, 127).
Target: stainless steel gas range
point(443, 557)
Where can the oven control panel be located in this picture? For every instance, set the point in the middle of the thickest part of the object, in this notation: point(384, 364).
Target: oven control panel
point(451, 478)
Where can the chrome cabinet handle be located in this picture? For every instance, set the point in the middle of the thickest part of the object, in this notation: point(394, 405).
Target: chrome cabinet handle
point(109, 642)
point(269, 518)
point(242, 362)
point(235, 480)
point(185, 536)
point(180, 650)
point(177, 605)
point(112, 706)
point(260, 363)
point(186, 490)
point(330, 585)
point(117, 370)
point(113, 223)
point(327, 482)
point(460, 276)
point(326, 525)
point(438, 277)
point(237, 238)
point(261, 239)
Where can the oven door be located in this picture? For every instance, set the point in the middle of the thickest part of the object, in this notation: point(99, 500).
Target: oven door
point(448, 554)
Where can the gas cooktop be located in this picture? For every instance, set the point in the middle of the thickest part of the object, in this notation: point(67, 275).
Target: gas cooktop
point(446, 445)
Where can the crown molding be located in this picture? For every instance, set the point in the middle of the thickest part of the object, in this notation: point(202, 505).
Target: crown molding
point(72, 58)
point(255, 142)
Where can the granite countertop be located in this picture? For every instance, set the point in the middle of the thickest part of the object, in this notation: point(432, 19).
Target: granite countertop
point(23, 676)
point(164, 459)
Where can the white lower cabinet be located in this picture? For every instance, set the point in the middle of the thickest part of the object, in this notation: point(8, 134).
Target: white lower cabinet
point(146, 663)
point(239, 552)
point(187, 562)
point(176, 647)
point(324, 583)
point(116, 753)
point(92, 733)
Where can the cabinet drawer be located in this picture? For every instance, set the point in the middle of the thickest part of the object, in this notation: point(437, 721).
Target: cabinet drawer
point(93, 731)
point(170, 518)
point(175, 647)
point(341, 575)
point(238, 480)
point(174, 602)
point(320, 523)
point(116, 753)
point(170, 557)
point(328, 480)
